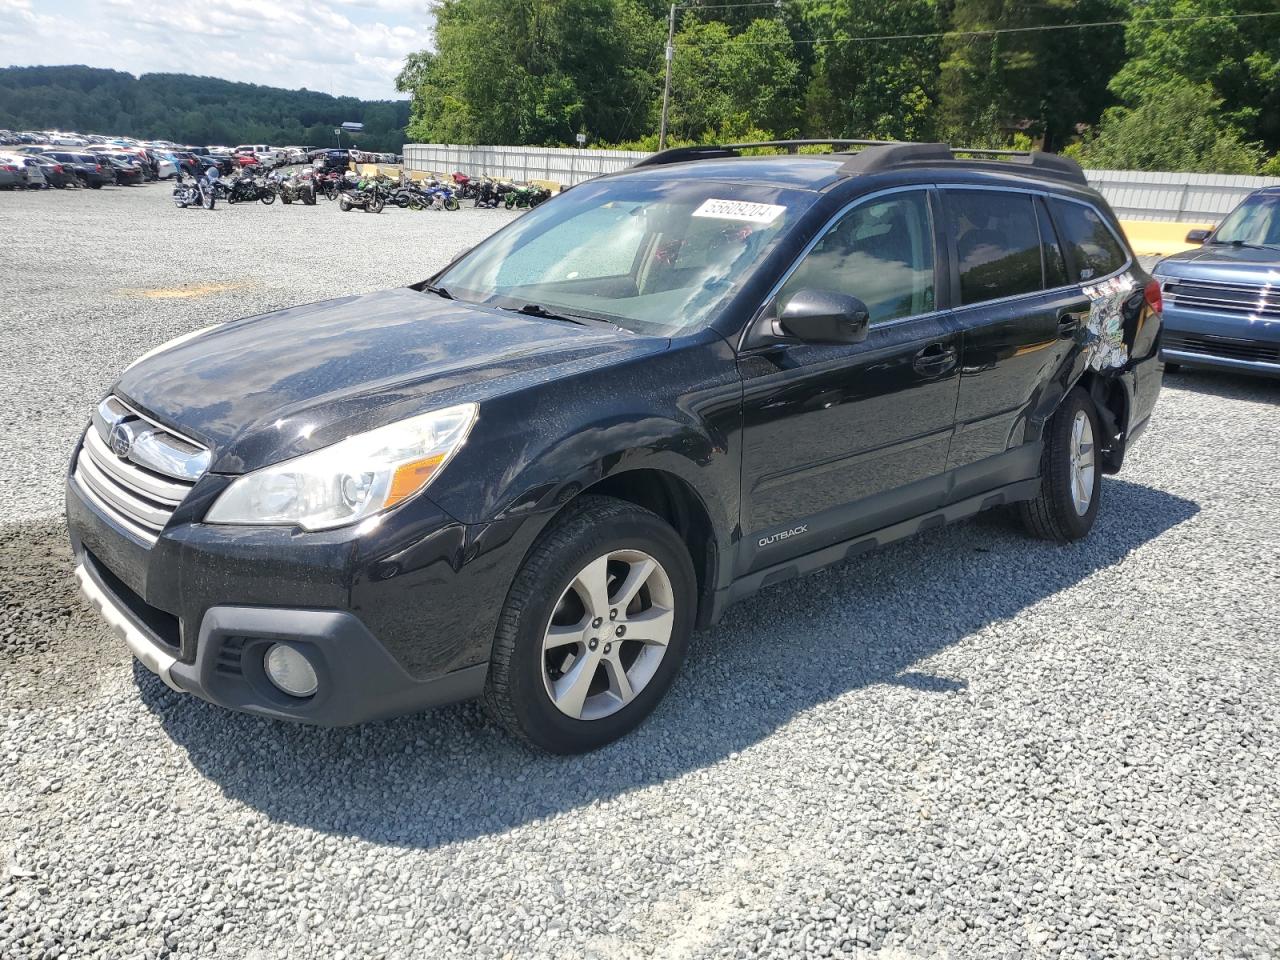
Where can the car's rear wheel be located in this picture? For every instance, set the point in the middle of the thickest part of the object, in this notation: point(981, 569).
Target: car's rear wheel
point(1070, 474)
point(594, 629)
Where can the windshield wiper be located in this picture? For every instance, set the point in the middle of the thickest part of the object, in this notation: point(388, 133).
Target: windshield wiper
point(438, 291)
point(542, 313)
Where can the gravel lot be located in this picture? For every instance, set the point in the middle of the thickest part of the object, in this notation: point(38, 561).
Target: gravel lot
point(966, 745)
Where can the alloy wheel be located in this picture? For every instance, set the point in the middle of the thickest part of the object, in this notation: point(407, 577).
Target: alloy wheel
point(608, 634)
point(1082, 462)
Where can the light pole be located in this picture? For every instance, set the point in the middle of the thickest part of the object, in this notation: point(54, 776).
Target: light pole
point(666, 86)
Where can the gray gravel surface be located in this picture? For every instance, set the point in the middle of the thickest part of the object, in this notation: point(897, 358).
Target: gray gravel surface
point(966, 745)
point(102, 276)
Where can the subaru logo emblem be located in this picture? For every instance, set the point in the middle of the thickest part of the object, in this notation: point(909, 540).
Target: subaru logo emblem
point(120, 440)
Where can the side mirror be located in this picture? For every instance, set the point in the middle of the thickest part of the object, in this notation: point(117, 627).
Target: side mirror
point(1198, 236)
point(823, 316)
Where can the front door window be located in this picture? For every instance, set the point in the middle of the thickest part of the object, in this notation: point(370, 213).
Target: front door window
point(880, 252)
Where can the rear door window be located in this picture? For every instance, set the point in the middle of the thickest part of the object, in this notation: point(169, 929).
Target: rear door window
point(1093, 248)
point(997, 244)
point(1055, 267)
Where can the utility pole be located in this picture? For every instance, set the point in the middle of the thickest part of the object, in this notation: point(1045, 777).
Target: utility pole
point(666, 86)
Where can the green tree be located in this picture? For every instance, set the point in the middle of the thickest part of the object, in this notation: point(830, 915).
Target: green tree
point(534, 71)
point(1238, 59)
point(188, 109)
point(1041, 79)
point(875, 89)
point(1178, 128)
point(732, 87)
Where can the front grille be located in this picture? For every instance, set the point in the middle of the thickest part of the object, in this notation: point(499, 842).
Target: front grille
point(136, 470)
point(1261, 300)
point(1223, 347)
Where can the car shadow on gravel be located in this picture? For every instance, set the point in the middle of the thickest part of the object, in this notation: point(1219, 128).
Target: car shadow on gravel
point(449, 775)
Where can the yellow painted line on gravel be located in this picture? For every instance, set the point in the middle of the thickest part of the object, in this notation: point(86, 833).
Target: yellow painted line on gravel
point(185, 292)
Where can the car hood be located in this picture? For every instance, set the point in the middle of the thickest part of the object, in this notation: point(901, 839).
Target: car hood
point(266, 388)
point(1224, 263)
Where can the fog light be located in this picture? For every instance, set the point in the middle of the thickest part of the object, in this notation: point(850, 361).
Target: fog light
point(290, 671)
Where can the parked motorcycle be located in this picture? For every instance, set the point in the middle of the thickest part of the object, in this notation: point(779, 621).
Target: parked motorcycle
point(490, 193)
point(192, 193)
point(525, 195)
point(246, 189)
point(441, 197)
point(408, 196)
point(294, 188)
point(465, 186)
point(328, 184)
point(367, 195)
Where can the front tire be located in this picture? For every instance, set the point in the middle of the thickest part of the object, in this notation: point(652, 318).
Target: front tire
point(1070, 474)
point(594, 629)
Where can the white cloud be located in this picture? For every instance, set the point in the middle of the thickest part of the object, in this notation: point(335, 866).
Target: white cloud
point(348, 49)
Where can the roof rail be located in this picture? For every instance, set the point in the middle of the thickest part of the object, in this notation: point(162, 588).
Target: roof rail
point(887, 155)
point(721, 151)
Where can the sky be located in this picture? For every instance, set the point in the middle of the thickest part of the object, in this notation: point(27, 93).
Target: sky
point(353, 48)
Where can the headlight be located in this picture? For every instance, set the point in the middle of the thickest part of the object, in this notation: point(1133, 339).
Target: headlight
point(350, 480)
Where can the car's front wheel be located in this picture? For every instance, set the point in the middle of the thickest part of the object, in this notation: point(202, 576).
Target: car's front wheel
point(1070, 474)
point(594, 629)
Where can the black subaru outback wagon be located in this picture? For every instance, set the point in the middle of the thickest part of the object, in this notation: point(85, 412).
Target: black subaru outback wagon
point(529, 478)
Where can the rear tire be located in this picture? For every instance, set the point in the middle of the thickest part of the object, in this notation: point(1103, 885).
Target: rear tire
point(1172, 367)
point(643, 579)
point(1066, 506)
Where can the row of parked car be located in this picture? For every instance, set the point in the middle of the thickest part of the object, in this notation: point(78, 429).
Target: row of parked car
point(42, 159)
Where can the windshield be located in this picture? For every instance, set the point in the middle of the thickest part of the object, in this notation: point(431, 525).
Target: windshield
point(1256, 222)
point(652, 256)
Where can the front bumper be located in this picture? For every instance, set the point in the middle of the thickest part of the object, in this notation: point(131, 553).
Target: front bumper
point(393, 621)
point(359, 680)
point(1222, 341)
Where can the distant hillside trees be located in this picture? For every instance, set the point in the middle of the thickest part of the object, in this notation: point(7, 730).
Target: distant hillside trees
point(189, 109)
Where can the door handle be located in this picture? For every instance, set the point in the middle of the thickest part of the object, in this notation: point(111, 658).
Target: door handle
point(935, 359)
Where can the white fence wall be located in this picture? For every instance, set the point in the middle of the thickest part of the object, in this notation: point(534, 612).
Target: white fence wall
point(1134, 194)
point(1184, 197)
point(563, 166)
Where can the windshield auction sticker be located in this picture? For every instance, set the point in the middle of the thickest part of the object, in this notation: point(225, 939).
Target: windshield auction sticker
point(739, 210)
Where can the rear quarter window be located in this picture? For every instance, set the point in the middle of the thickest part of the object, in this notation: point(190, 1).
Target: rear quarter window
point(1091, 245)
